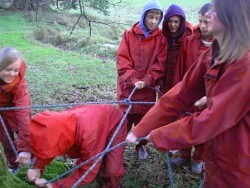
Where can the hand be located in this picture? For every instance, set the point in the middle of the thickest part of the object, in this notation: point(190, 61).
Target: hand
point(23, 157)
point(158, 88)
point(131, 138)
point(33, 174)
point(201, 103)
point(42, 183)
point(140, 85)
point(148, 138)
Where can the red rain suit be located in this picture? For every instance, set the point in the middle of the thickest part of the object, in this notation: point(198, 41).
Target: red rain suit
point(81, 132)
point(173, 53)
point(140, 58)
point(16, 121)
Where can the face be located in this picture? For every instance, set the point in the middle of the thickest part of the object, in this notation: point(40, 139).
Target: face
point(152, 19)
point(9, 73)
point(174, 24)
point(215, 26)
point(203, 24)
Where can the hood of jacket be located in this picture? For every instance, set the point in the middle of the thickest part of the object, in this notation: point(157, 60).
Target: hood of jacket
point(174, 10)
point(52, 133)
point(151, 4)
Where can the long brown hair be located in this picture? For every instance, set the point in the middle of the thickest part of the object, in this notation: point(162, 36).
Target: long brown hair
point(8, 56)
point(235, 15)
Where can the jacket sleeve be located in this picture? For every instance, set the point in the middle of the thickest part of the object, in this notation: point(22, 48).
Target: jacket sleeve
point(41, 163)
point(230, 93)
point(175, 102)
point(22, 98)
point(156, 71)
point(124, 64)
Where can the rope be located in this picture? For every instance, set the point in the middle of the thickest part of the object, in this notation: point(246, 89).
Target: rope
point(8, 136)
point(126, 101)
point(169, 171)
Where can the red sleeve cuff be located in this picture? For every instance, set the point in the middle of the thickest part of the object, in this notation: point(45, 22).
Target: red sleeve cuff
point(41, 163)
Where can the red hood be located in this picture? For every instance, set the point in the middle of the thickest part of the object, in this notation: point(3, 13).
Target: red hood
point(52, 133)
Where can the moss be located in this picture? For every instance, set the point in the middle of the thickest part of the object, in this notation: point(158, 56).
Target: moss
point(8, 180)
point(55, 169)
point(51, 171)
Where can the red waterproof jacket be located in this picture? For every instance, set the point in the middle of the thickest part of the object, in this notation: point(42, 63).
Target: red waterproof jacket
point(224, 126)
point(174, 46)
point(11, 95)
point(140, 58)
point(81, 132)
point(190, 51)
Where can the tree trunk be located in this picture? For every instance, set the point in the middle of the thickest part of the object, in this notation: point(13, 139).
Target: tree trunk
point(21, 5)
point(25, 5)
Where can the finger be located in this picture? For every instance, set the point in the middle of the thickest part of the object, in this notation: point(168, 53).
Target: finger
point(25, 161)
point(40, 182)
point(31, 177)
point(197, 103)
point(17, 160)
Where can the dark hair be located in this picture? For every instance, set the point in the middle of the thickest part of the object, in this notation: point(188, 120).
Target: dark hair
point(204, 9)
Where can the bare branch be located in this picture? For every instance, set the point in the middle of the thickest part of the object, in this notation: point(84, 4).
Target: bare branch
point(83, 14)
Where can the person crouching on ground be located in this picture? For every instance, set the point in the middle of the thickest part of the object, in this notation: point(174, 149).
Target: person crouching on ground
point(80, 132)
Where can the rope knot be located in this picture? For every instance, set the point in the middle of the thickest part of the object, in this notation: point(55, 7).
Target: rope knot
point(128, 101)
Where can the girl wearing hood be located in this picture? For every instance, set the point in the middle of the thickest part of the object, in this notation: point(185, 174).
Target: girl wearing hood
point(176, 29)
point(222, 74)
point(140, 62)
point(80, 132)
point(14, 92)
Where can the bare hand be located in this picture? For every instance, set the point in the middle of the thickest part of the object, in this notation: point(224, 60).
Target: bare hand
point(33, 174)
point(201, 103)
point(131, 138)
point(42, 183)
point(140, 85)
point(158, 88)
point(148, 138)
point(23, 157)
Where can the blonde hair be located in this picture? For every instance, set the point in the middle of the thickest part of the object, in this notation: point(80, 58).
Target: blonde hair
point(8, 56)
point(235, 15)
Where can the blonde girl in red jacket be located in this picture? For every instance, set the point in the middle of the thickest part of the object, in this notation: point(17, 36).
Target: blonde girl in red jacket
point(222, 74)
point(14, 92)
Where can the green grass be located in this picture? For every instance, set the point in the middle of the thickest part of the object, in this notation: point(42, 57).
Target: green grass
point(53, 75)
point(190, 7)
point(165, 4)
